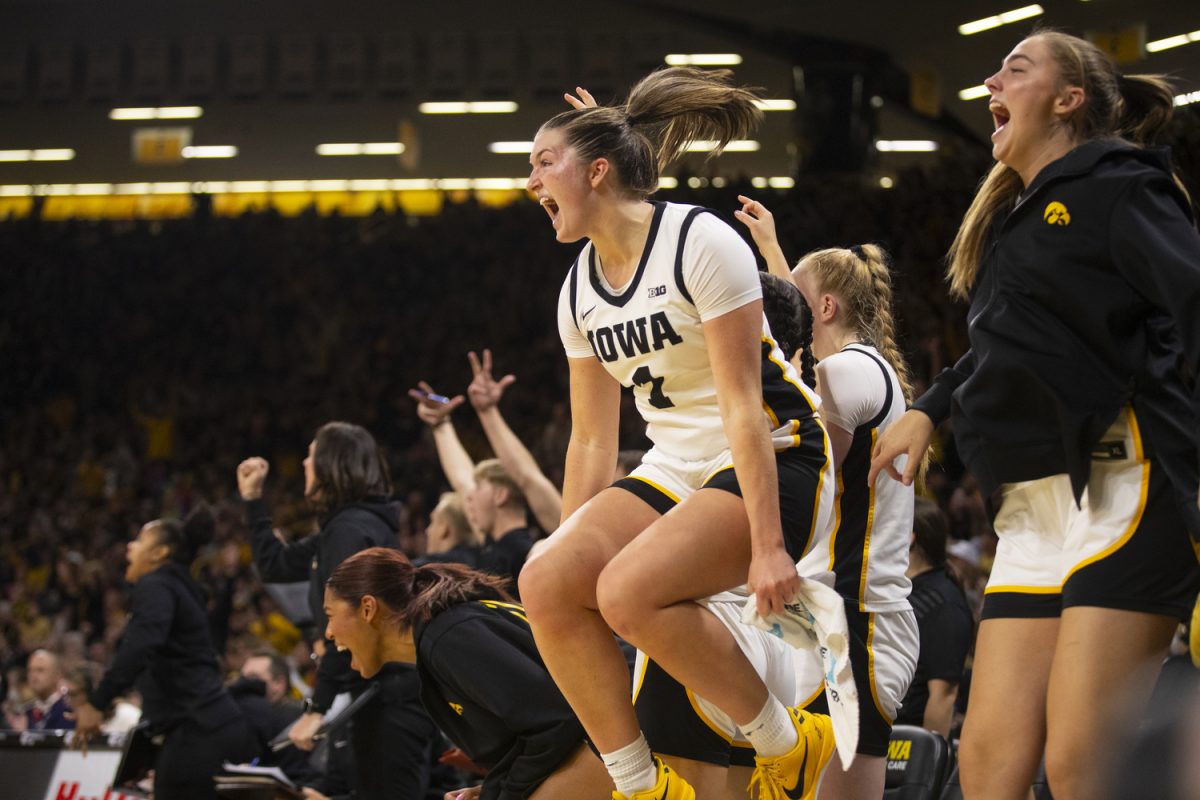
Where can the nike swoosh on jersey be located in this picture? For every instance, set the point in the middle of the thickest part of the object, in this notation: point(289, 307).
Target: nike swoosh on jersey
point(589, 311)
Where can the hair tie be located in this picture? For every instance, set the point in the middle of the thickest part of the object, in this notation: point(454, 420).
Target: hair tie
point(858, 252)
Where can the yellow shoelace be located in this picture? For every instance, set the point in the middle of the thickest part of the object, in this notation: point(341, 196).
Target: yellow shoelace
point(769, 781)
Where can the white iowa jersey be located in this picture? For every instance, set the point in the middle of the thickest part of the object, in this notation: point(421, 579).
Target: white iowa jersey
point(649, 334)
point(868, 551)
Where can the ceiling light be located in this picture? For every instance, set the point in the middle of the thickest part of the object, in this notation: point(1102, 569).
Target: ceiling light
point(210, 151)
point(906, 146)
point(973, 92)
point(370, 185)
point(57, 154)
point(987, 23)
point(164, 112)
point(765, 104)
point(1172, 41)
point(360, 149)
point(703, 59)
point(1187, 99)
point(480, 107)
point(510, 147)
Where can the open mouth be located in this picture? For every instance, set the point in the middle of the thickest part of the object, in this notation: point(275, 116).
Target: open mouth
point(550, 206)
point(1000, 117)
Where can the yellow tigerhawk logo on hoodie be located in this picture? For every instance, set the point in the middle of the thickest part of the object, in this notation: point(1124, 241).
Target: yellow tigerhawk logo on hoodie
point(1056, 214)
point(458, 709)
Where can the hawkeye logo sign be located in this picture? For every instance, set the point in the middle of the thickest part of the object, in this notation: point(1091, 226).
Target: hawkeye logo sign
point(1056, 214)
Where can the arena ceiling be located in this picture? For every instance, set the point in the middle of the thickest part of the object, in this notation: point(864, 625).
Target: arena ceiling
point(270, 85)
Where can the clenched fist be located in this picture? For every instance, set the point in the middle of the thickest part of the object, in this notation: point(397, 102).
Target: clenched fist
point(251, 474)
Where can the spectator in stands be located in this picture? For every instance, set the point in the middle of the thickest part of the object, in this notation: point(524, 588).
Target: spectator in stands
point(264, 693)
point(449, 535)
point(542, 497)
point(81, 680)
point(273, 671)
point(496, 506)
point(481, 676)
point(167, 650)
point(346, 479)
point(945, 621)
point(49, 708)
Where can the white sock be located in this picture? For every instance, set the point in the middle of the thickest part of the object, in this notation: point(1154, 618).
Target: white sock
point(631, 767)
point(771, 732)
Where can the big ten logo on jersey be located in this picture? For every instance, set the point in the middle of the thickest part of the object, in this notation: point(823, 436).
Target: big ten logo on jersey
point(899, 752)
point(656, 291)
point(636, 337)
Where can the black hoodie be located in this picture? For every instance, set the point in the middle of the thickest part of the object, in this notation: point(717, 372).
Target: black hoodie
point(167, 650)
point(1087, 300)
point(484, 684)
point(348, 530)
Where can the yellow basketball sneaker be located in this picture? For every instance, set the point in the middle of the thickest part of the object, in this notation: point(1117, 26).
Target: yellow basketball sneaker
point(669, 786)
point(795, 774)
point(1194, 634)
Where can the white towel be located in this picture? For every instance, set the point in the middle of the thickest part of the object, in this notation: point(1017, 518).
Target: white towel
point(816, 620)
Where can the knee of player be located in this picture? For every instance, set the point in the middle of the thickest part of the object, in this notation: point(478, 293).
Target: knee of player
point(549, 584)
point(620, 603)
point(1065, 770)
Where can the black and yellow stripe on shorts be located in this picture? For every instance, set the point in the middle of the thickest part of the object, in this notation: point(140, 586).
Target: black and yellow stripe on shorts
point(673, 722)
point(801, 474)
point(658, 497)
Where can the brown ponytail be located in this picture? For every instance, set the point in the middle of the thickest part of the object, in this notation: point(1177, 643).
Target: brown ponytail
point(411, 594)
point(665, 111)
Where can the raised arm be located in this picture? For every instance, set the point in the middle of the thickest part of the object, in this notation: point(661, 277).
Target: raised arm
point(277, 561)
point(761, 223)
point(485, 392)
point(434, 410)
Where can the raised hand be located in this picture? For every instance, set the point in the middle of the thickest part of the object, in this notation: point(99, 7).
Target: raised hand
point(584, 100)
point(251, 474)
point(485, 391)
point(761, 222)
point(433, 408)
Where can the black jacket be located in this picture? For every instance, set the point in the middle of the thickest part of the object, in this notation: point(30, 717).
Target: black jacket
point(946, 628)
point(348, 530)
point(484, 684)
point(167, 651)
point(267, 720)
point(506, 556)
point(393, 739)
point(1087, 300)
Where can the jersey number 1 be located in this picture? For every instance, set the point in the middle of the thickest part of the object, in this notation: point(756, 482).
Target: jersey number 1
point(657, 399)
